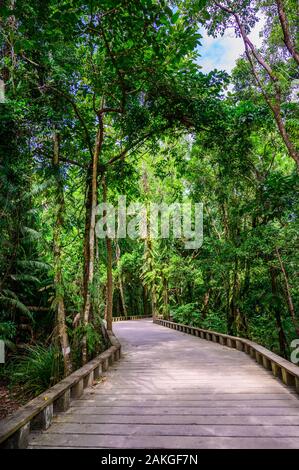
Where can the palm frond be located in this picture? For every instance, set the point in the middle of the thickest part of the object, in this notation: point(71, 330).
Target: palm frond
point(24, 277)
point(33, 264)
point(31, 233)
point(16, 303)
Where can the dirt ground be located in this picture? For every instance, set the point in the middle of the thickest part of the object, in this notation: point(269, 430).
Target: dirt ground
point(8, 401)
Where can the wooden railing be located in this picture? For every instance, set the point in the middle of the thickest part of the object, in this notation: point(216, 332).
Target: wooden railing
point(130, 317)
point(281, 368)
point(38, 413)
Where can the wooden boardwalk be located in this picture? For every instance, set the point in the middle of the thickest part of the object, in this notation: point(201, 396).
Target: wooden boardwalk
point(173, 390)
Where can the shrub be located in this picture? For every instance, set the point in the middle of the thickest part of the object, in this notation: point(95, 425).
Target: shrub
point(95, 342)
point(7, 334)
point(187, 314)
point(38, 369)
point(215, 321)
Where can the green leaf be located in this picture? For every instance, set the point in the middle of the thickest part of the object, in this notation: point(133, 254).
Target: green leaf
point(175, 17)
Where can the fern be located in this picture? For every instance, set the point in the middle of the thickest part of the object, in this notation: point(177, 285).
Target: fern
point(37, 370)
point(16, 303)
point(31, 233)
point(24, 277)
point(33, 264)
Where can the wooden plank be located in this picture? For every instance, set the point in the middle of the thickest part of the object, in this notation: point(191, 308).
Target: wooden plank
point(292, 368)
point(201, 411)
point(207, 397)
point(289, 403)
point(78, 418)
point(149, 389)
point(27, 413)
point(173, 390)
point(163, 442)
point(176, 430)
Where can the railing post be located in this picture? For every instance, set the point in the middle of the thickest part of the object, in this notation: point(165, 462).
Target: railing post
point(105, 365)
point(77, 389)
point(275, 369)
point(287, 378)
point(97, 372)
point(117, 355)
point(287, 374)
point(266, 363)
point(19, 440)
point(88, 379)
point(258, 358)
point(63, 402)
point(43, 419)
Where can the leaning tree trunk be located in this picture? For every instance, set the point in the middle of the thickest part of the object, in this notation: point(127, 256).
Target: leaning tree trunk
point(58, 280)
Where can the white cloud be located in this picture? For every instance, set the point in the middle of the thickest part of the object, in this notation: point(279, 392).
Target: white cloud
point(222, 52)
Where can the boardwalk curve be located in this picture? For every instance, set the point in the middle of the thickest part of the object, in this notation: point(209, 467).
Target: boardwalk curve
point(173, 390)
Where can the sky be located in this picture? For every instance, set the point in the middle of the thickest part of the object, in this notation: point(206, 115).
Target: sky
point(222, 52)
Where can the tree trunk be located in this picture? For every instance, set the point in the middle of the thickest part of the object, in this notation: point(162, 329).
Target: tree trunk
point(58, 280)
point(120, 282)
point(288, 293)
point(7, 47)
point(148, 246)
point(89, 248)
point(230, 318)
point(286, 31)
point(234, 308)
point(165, 297)
point(273, 102)
point(109, 297)
point(88, 206)
point(206, 301)
point(145, 301)
point(276, 309)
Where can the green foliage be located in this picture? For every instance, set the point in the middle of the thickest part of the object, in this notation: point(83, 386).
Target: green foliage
point(136, 65)
point(38, 369)
point(7, 334)
point(94, 338)
point(187, 314)
point(215, 321)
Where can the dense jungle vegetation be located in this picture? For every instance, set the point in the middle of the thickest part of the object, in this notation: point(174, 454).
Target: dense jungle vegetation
point(107, 98)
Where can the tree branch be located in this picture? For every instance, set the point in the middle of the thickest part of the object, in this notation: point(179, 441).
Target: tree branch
point(276, 107)
point(286, 32)
point(77, 112)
